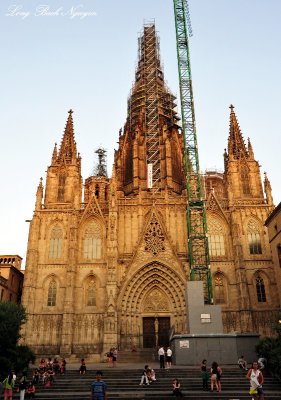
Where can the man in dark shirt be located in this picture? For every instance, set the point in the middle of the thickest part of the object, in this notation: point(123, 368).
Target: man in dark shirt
point(98, 388)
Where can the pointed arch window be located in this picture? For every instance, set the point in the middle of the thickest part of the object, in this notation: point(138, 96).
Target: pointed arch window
point(219, 290)
point(216, 238)
point(92, 241)
point(52, 293)
point(254, 238)
point(260, 289)
point(245, 180)
point(61, 186)
point(91, 292)
point(56, 243)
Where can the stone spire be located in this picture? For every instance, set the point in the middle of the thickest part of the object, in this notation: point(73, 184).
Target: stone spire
point(55, 155)
point(68, 152)
point(250, 149)
point(267, 189)
point(236, 145)
point(39, 195)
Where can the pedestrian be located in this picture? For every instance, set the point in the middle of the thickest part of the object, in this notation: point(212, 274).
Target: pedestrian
point(169, 357)
point(177, 388)
point(63, 366)
point(22, 386)
point(8, 385)
point(256, 379)
point(161, 355)
point(110, 357)
point(216, 372)
point(144, 377)
point(30, 391)
point(261, 363)
point(98, 388)
point(114, 356)
point(83, 367)
point(204, 374)
point(242, 363)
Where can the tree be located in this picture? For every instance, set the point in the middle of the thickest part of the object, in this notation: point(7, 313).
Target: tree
point(12, 317)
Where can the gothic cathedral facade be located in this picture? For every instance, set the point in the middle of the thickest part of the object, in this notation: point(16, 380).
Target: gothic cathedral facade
point(108, 257)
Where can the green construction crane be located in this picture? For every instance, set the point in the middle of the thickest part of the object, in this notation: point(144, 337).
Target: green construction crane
point(198, 250)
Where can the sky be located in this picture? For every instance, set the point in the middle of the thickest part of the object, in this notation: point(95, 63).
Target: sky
point(82, 54)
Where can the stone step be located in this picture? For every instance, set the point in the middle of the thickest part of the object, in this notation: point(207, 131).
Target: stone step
point(124, 384)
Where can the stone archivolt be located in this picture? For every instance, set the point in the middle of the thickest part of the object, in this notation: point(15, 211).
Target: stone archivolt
point(153, 278)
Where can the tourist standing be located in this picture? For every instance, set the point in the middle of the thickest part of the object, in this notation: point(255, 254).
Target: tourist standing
point(256, 379)
point(8, 385)
point(169, 357)
point(161, 355)
point(204, 374)
point(114, 356)
point(98, 388)
point(83, 367)
point(63, 366)
point(215, 377)
point(22, 386)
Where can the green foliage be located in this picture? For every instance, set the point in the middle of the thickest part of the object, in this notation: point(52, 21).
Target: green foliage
point(12, 316)
point(15, 356)
point(270, 348)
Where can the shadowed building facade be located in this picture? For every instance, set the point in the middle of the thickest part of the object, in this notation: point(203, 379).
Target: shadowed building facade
point(108, 266)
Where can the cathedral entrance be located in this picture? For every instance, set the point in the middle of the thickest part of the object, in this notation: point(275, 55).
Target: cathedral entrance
point(156, 331)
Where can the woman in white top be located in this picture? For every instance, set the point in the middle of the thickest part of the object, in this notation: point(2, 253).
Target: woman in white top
point(256, 379)
point(169, 357)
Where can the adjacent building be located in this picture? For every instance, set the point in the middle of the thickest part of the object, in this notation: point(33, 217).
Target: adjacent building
point(11, 278)
point(273, 224)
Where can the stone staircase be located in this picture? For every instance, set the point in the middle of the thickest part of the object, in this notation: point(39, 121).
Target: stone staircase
point(124, 384)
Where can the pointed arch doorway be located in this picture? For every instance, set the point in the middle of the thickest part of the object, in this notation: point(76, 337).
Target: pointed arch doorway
point(154, 291)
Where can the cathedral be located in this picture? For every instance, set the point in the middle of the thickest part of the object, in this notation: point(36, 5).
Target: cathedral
point(107, 258)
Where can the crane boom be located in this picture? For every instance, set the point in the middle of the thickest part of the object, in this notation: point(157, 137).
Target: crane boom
point(198, 250)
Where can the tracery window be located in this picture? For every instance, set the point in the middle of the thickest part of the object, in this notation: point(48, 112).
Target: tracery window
point(56, 242)
point(91, 292)
point(52, 293)
point(92, 241)
point(254, 238)
point(260, 289)
point(219, 290)
point(245, 180)
point(216, 238)
point(61, 186)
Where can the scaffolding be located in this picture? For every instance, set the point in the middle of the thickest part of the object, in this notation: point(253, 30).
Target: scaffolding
point(150, 102)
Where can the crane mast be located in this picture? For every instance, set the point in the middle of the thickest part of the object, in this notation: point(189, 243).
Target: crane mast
point(198, 250)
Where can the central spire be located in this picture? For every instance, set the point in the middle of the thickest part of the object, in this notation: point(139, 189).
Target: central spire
point(151, 105)
point(149, 154)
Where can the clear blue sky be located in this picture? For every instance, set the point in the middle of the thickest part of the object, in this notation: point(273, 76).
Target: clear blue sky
point(50, 64)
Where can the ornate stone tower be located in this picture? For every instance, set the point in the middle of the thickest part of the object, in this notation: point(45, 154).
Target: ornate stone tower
point(109, 268)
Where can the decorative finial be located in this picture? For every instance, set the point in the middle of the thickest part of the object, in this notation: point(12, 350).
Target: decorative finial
point(70, 111)
point(231, 107)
